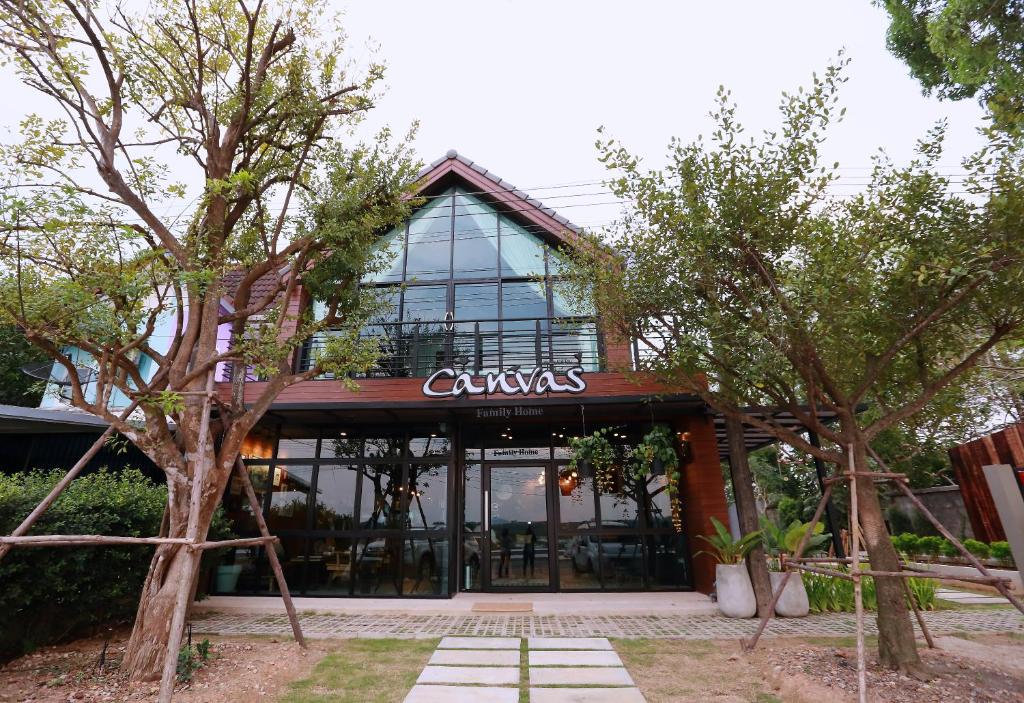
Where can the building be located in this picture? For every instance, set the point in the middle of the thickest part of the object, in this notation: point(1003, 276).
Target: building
point(446, 470)
point(434, 477)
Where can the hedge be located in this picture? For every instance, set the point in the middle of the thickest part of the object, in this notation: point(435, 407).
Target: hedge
point(913, 545)
point(48, 594)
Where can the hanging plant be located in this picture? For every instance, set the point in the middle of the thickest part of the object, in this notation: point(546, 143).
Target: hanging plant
point(599, 453)
point(658, 446)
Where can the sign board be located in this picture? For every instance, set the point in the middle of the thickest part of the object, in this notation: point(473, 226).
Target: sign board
point(506, 383)
point(1006, 494)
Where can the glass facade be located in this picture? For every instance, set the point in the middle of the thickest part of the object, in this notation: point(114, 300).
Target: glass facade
point(465, 285)
point(399, 514)
point(355, 515)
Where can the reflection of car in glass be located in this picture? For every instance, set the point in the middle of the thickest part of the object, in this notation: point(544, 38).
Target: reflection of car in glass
point(611, 553)
point(420, 552)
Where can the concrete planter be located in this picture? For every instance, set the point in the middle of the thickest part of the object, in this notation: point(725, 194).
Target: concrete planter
point(793, 602)
point(735, 592)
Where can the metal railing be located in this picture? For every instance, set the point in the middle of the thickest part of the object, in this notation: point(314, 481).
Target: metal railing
point(418, 349)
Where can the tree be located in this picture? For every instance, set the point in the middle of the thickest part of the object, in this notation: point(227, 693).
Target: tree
point(203, 164)
point(747, 285)
point(962, 49)
point(16, 387)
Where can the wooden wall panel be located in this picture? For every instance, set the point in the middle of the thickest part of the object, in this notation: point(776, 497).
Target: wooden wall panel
point(703, 494)
point(1003, 447)
point(409, 390)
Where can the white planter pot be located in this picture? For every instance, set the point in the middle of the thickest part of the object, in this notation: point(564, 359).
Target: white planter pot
point(793, 602)
point(735, 592)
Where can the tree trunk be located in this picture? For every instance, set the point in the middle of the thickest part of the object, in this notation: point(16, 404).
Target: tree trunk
point(746, 510)
point(168, 572)
point(896, 646)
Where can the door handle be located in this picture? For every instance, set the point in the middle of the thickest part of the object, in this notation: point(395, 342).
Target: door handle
point(449, 321)
point(487, 512)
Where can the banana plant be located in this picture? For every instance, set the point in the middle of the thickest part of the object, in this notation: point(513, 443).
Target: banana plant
point(724, 548)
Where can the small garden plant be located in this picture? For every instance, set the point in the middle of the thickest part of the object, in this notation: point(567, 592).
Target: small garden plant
point(724, 548)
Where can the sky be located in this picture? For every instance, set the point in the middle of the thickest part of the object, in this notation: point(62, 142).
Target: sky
point(521, 87)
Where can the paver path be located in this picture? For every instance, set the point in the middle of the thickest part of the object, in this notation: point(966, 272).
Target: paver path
point(968, 597)
point(694, 627)
point(559, 670)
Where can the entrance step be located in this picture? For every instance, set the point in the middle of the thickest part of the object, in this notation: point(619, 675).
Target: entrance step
point(574, 658)
point(488, 675)
point(462, 694)
point(499, 607)
point(475, 657)
point(577, 676)
point(480, 643)
point(570, 643)
point(586, 695)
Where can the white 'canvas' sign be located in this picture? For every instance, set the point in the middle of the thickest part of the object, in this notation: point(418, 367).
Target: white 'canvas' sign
point(540, 382)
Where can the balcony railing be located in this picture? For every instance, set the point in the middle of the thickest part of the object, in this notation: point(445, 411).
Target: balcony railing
point(418, 349)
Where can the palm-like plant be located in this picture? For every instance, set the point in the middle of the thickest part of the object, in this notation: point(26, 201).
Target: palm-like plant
point(724, 548)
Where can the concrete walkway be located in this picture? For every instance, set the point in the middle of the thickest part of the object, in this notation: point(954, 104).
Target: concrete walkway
point(557, 670)
point(580, 622)
point(666, 603)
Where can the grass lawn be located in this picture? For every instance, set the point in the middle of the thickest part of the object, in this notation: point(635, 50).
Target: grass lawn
point(363, 670)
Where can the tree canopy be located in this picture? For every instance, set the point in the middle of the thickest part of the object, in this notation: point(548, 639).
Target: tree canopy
point(750, 285)
point(962, 49)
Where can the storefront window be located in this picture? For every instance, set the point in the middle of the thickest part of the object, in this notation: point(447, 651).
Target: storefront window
point(619, 510)
point(578, 562)
point(330, 567)
point(378, 566)
point(429, 256)
point(297, 448)
point(428, 496)
point(429, 446)
point(383, 499)
point(575, 501)
point(335, 497)
point(476, 239)
point(621, 561)
point(425, 566)
point(289, 497)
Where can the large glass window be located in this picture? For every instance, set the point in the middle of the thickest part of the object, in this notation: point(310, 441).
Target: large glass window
point(449, 277)
point(363, 513)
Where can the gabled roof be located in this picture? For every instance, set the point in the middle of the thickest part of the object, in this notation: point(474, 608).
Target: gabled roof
point(492, 188)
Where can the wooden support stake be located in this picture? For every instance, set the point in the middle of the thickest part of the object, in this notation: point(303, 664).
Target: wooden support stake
point(85, 540)
point(918, 615)
point(70, 476)
point(999, 585)
point(749, 645)
point(858, 593)
point(275, 563)
point(190, 557)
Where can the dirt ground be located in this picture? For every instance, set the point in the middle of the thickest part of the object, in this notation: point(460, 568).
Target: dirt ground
point(818, 670)
point(977, 669)
point(241, 669)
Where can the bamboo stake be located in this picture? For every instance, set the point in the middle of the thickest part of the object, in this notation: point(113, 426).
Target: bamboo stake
point(999, 585)
point(275, 563)
point(70, 476)
point(918, 615)
point(749, 645)
point(190, 557)
point(106, 540)
point(858, 595)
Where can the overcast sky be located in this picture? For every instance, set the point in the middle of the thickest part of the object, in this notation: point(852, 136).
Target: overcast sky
point(520, 87)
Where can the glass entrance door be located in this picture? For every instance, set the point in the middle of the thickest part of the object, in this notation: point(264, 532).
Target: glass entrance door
point(516, 527)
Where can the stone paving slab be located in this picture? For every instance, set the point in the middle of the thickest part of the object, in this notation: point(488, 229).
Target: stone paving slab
point(586, 695)
point(489, 675)
point(569, 643)
point(968, 598)
point(475, 657)
point(462, 694)
point(571, 676)
point(480, 643)
point(564, 658)
point(689, 627)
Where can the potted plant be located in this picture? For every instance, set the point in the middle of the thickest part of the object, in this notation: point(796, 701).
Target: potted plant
point(732, 581)
point(779, 543)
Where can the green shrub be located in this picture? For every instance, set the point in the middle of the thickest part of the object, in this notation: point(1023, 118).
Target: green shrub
point(1001, 550)
point(977, 548)
point(930, 546)
point(53, 593)
point(923, 592)
point(948, 550)
point(906, 543)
